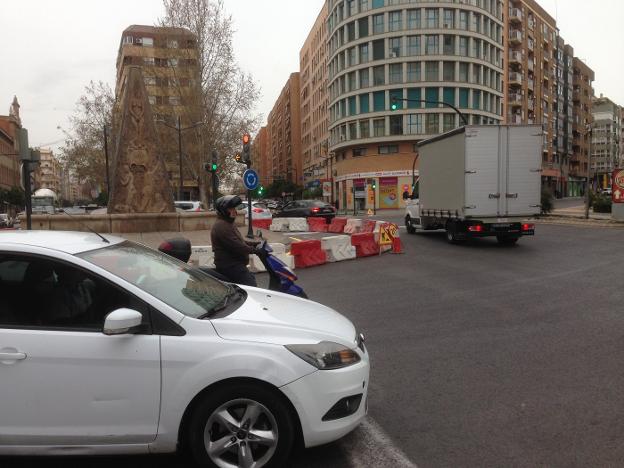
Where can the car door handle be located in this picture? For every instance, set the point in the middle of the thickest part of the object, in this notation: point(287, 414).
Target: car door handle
point(12, 356)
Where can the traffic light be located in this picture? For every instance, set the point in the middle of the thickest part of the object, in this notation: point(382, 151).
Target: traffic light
point(247, 148)
point(215, 158)
point(214, 167)
point(374, 184)
point(394, 103)
point(260, 190)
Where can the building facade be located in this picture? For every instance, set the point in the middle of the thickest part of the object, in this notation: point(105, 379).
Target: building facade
point(48, 174)
point(582, 94)
point(260, 157)
point(169, 62)
point(415, 55)
point(314, 117)
point(283, 149)
point(605, 145)
point(9, 147)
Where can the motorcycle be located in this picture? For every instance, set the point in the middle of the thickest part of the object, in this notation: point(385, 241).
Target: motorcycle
point(281, 277)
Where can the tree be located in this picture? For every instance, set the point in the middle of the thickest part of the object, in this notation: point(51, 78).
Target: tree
point(226, 95)
point(83, 152)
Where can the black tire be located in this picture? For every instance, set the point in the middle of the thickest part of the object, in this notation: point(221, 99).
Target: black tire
point(506, 240)
point(235, 437)
point(409, 226)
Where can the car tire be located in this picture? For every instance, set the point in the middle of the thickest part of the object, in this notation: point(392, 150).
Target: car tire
point(220, 434)
point(409, 226)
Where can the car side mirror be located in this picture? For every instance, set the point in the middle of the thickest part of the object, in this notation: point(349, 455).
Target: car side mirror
point(122, 321)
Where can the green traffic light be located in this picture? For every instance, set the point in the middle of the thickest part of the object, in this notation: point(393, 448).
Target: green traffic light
point(394, 106)
point(214, 167)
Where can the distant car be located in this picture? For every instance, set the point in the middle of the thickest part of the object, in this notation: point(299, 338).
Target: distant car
point(258, 210)
point(307, 209)
point(607, 191)
point(189, 205)
point(5, 221)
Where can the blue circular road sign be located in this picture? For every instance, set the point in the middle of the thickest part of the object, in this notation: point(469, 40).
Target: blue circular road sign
point(250, 179)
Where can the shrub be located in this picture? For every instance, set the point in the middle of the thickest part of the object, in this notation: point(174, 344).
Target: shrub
point(602, 204)
point(547, 200)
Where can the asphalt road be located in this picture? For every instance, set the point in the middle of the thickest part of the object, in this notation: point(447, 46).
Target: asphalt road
point(483, 356)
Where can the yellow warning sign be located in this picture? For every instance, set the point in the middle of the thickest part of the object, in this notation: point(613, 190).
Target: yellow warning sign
point(387, 233)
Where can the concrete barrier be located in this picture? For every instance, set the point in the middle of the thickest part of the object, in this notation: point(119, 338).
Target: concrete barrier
point(280, 225)
point(297, 225)
point(338, 248)
point(353, 226)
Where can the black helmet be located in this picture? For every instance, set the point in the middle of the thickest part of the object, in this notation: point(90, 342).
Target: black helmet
point(223, 204)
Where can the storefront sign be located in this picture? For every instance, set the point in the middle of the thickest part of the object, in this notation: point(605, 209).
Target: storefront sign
point(617, 191)
point(388, 193)
point(327, 189)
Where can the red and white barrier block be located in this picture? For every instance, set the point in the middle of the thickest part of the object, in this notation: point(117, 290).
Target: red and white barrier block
point(338, 248)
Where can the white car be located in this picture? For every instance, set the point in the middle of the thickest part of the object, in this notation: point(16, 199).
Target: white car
point(109, 347)
point(189, 205)
point(258, 210)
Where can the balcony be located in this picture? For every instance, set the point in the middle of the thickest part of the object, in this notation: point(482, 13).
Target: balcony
point(515, 15)
point(530, 44)
point(515, 79)
point(530, 65)
point(515, 57)
point(515, 99)
point(546, 56)
point(515, 37)
point(530, 84)
point(531, 104)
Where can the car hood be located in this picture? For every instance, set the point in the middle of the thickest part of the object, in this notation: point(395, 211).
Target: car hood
point(271, 317)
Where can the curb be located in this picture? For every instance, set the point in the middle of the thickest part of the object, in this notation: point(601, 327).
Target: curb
point(579, 221)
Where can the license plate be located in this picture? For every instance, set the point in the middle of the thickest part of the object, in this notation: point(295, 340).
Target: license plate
point(500, 226)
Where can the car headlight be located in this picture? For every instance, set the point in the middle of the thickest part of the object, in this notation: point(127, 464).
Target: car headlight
point(325, 355)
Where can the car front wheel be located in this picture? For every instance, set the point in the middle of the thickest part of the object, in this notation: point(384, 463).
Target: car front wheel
point(409, 226)
point(241, 426)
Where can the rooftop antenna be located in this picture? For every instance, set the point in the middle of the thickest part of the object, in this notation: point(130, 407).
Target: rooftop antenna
point(87, 227)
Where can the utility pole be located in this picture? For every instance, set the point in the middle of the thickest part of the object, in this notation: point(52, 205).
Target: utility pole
point(180, 156)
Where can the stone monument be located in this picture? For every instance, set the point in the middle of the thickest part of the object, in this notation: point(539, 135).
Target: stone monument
point(140, 183)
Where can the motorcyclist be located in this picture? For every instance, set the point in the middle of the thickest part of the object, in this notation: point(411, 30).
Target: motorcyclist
point(231, 251)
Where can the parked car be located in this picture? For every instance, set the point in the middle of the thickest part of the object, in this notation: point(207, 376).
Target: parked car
point(307, 209)
point(258, 210)
point(189, 205)
point(606, 191)
point(109, 347)
point(5, 221)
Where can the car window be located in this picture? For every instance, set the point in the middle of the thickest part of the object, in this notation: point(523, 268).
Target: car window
point(175, 283)
point(319, 203)
point(44, 293)
point(260, 205)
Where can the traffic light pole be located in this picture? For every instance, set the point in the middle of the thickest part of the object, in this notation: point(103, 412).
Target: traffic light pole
point(249, 192)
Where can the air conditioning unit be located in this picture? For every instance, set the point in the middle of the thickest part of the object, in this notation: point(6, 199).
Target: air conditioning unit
point(138, 40)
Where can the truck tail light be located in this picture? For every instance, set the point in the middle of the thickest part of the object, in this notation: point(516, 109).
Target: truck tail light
point(528, 227)
point(476, 228)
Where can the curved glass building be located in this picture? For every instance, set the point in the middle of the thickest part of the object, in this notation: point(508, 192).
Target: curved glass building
point(417, 55)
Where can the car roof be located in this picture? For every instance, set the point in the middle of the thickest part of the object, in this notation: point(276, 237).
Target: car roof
point(71, 242)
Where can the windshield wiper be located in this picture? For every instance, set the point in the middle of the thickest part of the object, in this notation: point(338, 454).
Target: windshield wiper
point(233, 290)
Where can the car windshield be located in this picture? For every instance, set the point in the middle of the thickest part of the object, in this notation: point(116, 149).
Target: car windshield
point(175, 283)
point(260, 205)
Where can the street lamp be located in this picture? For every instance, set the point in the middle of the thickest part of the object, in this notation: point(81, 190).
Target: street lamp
point(395, 105)
point(179, 128)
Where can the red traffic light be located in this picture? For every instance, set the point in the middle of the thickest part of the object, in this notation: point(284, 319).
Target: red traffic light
point(246, 139)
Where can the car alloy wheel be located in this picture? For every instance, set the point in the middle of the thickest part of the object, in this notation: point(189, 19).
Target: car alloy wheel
point(242, 426)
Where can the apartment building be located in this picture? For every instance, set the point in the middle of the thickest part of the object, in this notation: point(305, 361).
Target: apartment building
point(9, 147)
point(284, 134)
point(419, 55)
point(48, 174)
point(169, 62)
point(313, 76)
point(260, 156)
point(605, 144)
point(582, 95)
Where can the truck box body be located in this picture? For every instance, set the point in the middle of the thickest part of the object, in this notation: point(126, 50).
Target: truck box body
point(480, 172)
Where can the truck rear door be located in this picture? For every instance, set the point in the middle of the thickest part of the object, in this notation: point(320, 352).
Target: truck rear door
point(523, 160)
point(483, 172)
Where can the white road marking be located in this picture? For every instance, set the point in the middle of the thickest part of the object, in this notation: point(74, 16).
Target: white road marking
point(372, 447)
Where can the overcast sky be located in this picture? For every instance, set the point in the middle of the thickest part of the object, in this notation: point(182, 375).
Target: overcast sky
point(51, 49)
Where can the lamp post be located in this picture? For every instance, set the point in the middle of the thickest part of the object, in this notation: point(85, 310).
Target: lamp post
point(395, 105)
point(179, 128)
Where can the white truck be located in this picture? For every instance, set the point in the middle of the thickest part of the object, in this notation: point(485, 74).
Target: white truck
point(478, 181)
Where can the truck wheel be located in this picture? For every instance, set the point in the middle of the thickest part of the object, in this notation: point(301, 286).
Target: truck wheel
point(241, 425)
point(409, 226)
point(505, 240)
point(451, 233)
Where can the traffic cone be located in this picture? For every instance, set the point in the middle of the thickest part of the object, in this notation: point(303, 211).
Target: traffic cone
point(396, 246)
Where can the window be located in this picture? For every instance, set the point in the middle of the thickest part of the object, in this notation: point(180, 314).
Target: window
point(394, 49)
point(378, 50)
point(378, 3)
point(415, 124)
point(50, 294)
point(364, 129)
point(378, 24)
point(363, 27)
point(448, 122)
point(463, 72)
point(388, 149)
point(364, 5)
point(148, 61)
point(152, 100)
point(150, 80)
point(431, 95)
point(148, 42)
point(359, 151)
point(352, 131)
point(448, 72)
point(448, 19)
point(476, 99)
point(395, 22)
point(398, 95)
point(396, 125)
point(351, 31)
point(449, 96)
point(364, 107)
point(431, 47)
point(463, 20)
point(476, 73)
point(379, 127)
point(414, 96)
point(363, 53)
point(172, 62)
point(432, 124)
point(396, 73)
point(413, 71)
point(379, 76)
point(172, 44)
point(352, 53)
point(449, 45)
point(413, 19)
point(364, 79)
point(432, 18)
point(463, 46)
point(352, 82)
point(379, 101)
point(352, 108)
point(413, 45)
point(431, 71)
